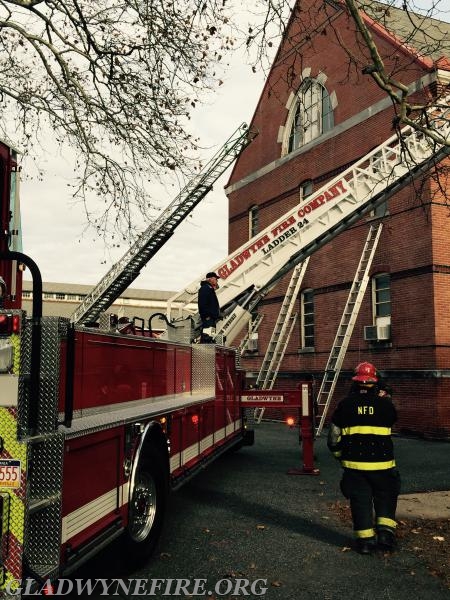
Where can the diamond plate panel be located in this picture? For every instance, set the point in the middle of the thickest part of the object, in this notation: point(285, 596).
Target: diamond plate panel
point(53, 330)
point(45, 472)
point(204, 368)
point(105, 321)
point(220, 339)
point(113, 417)
point(43, 534)
point(24, 370)
point(181, 333)
point(43, 521)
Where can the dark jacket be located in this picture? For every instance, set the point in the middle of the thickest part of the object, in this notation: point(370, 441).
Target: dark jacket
point(2, 292)
point(360, 430)
point(208, 305)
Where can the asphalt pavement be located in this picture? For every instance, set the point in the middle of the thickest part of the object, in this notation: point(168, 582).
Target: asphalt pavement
point(245, 528)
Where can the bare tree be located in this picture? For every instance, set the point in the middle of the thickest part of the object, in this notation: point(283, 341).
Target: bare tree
point(424, 31)
point(116, 80)
point(424, 36)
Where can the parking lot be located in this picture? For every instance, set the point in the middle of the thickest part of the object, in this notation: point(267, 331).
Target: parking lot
point(245, 528)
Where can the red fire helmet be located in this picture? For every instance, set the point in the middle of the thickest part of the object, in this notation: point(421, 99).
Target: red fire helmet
point(365, 372)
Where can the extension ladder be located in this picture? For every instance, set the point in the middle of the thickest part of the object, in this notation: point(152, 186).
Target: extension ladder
point(127, 269)
point(280, 335)
point(346, 325)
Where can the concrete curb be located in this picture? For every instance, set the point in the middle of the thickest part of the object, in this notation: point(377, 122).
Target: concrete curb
point(426, 505)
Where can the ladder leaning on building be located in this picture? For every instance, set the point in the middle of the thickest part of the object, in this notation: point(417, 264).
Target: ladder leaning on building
point(280, 335)
point(346, 325)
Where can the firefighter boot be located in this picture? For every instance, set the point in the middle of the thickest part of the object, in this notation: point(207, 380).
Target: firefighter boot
point(366, 545)
point(386, 540)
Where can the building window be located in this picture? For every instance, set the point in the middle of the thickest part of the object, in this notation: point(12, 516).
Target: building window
point(381, 298)
point(380, 211)
point(307, 318)
point(26, 294)
point(311, 114)
point(48, 295)
point(306, 189)
point(60, 296)
point(253, 221)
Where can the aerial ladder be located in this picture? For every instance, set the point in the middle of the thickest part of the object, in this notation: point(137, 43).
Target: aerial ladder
point(346, 325)
point(127, 269)
point(249, 272)
point(280, 335)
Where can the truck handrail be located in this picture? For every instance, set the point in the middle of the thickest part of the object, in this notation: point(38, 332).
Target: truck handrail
point(36, 336)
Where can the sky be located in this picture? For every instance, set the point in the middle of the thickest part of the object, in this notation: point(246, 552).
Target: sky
point(53, 226)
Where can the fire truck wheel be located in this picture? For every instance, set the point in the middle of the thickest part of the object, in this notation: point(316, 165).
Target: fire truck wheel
point(147, 506)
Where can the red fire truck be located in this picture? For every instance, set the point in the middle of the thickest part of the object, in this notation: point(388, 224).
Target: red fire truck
point(97, 424)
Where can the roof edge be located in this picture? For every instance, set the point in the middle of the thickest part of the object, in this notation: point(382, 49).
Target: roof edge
point(425, 61)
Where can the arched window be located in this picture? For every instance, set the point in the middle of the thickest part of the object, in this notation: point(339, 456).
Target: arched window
point(311, 114)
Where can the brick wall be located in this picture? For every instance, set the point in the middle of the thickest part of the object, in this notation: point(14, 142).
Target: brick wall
point(413, 248)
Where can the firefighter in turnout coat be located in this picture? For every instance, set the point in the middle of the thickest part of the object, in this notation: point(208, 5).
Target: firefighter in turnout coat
point(360, 438)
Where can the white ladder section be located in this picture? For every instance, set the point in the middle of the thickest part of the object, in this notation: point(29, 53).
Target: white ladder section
point(127, 269)
point(280, 335)
point(305, 228)
point(346, 325)
point(254, 326)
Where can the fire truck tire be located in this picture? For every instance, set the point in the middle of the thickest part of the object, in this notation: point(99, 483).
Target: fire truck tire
point(146, 507)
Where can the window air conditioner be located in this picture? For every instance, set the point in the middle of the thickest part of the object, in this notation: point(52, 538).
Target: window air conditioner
point(383, 332)
point(374, 333)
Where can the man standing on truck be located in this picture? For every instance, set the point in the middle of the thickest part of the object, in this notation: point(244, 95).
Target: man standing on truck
point(360, 438)
point(208, 306)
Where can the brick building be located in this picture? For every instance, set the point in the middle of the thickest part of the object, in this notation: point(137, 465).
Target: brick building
point(319, 113)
